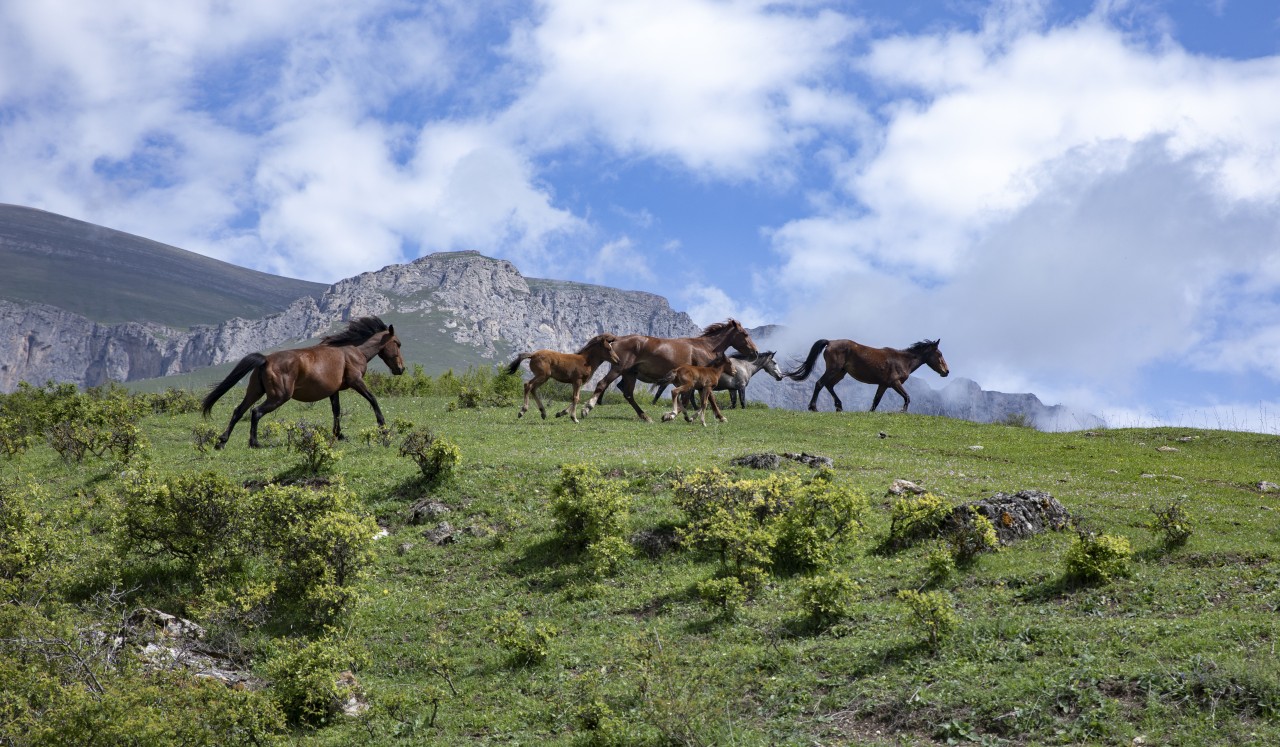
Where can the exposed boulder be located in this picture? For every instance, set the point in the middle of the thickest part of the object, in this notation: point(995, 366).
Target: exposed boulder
point(1021, 515)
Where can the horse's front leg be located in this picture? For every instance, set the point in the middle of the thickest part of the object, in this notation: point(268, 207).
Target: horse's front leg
point(337, 416)
point(906, 398)
point(875, 401)
point(599, 392)
point(675, 406)
point(363, 390)
point(710, 395)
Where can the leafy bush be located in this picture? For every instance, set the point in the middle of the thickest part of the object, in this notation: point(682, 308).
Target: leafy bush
point(820, 514)
point(21, 548)
point(754, 525)
point(306, 679)
point(315, 443)
point(14, 440)
point(200, 519)
point(914, 517)
point(940, 563)
point(526, 643)
point(1170, 524)
point(436, 457)
point(931, 611)
point(726, 593)
point(1097, 558)
point(828, 598)
point(971, 535)
point(319, 545)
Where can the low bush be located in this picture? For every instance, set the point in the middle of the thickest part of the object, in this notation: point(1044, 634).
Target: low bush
point(912, 518)
point(1097, 558)
point(828, 598)
point(306, 679)
point(526, 643)
point(1170, 524)
point(932, 612)
point(436, 457)
point(314, 443)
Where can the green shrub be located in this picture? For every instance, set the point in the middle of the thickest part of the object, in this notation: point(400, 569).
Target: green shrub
point(914, 517)
point(971, 535)
point(940, 563)
point(588, 508)
point(828, 598)
point(727, 594)
point(315, 444)
point(820, 514)
point(14, 440)
point(1170, 524)
point(931, 611)
point(778, 521)
point(319, 545)
point(172, 401)
point(306, 679)
point(1097, 558)
point(526, 643)
point(204, 436)
point(199, 519)
point(22, 550)
point(436, 457)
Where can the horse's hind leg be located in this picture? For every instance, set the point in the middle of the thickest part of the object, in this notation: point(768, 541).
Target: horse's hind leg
point(252, 394)
point(337, 416)
point(711, 396)
point(830, 383)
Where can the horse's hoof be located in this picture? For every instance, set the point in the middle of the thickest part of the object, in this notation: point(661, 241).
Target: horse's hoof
point(646, 418)
point(219, 446)
point(561, 414)
point(520, 414)
point(723, 420)
point(813, 408)
point(544, 416)
point(668, 418)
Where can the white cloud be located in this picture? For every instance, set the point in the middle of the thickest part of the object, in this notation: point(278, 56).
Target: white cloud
point(708, 304)
point(1060, 203)
point(721, 87)
point(618, 263)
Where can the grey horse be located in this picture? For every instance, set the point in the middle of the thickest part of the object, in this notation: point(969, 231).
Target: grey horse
point(744, 367)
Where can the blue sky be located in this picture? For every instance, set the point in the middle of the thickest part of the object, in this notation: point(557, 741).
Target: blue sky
point(1081, 199)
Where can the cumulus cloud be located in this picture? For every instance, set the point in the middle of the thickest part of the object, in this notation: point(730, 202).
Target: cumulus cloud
point(1061, 202)
point(707, 304)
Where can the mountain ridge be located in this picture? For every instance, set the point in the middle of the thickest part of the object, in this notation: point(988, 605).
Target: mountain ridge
point(451, 310)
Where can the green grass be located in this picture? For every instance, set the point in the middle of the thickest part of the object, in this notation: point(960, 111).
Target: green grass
point(1179, 652)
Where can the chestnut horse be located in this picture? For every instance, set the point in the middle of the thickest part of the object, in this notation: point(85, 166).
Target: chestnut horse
point(569, 368)
point(735, 382)
point(701, 379)
point(648, 359)
point(887, 368)
point(311, 374)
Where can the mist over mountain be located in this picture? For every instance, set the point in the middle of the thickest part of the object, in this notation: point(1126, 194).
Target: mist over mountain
point(99, 305)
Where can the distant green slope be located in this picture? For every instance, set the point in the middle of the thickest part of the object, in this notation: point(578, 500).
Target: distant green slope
point(111, 276)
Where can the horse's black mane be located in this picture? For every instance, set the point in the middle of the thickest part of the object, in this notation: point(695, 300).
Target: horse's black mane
point(590, 343)
point(923, 347)
point(357, 331)
point(718, 327)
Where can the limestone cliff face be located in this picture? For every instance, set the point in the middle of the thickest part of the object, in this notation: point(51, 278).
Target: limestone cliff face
point(480, 302)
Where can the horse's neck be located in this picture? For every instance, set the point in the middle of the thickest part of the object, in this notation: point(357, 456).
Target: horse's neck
point(370, 348)
point(721, 341)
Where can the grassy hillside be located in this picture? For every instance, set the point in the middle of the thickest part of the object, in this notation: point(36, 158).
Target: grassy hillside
point(111, 276)
point(507, 635)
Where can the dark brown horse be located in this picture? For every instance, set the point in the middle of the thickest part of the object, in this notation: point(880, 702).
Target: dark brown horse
point(570, 368)
point(649, 359)
point(887, 368)
point(311, 374)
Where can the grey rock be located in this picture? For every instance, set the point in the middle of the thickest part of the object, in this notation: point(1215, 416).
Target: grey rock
point(758, 461)
point(427, 510)
point(442, 534)
point(900, 486)
point(1020, 515)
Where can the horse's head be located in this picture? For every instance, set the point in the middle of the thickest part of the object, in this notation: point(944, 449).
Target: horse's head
point(607, 341)
point(740, 338)
point(390, 351)
point(934, 359)
point(769, 365)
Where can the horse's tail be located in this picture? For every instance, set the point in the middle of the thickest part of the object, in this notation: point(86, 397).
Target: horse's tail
point(515, 364)
point(801, 372)
point(246, 364)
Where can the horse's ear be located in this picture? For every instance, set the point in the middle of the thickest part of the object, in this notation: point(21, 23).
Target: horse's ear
point(391, 330)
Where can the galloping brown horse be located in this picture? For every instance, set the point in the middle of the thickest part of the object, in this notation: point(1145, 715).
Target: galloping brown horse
point(311, 374)
point(570, 368)
point(649, 359)
point(887, 368)
point(701, 379)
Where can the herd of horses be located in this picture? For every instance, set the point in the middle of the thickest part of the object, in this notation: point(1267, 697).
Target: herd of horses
point(691, 365)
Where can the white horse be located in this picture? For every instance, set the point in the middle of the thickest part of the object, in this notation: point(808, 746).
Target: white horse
point(744, 367)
